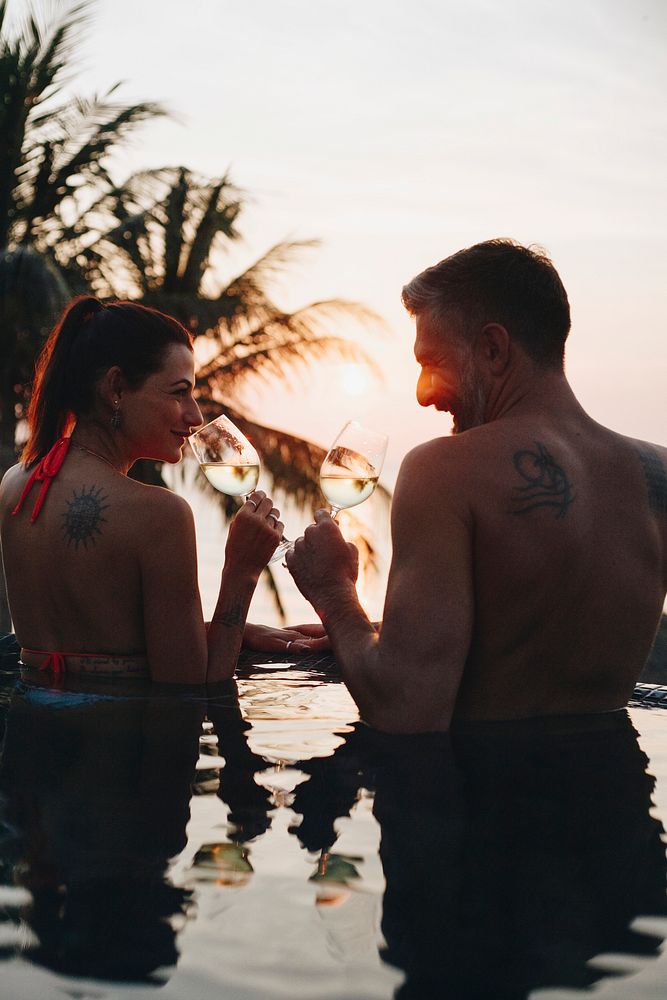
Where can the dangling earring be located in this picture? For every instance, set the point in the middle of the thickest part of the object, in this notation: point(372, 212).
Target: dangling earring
point(115, 419)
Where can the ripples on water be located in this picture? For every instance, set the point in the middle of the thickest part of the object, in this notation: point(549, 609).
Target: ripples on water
point(270, 846)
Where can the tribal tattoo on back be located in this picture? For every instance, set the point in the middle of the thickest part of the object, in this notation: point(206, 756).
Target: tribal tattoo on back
point(545, 484)
point(82, 521)
point(656, 479)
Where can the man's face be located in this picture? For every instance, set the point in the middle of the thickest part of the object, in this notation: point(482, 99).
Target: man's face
point(448, 379)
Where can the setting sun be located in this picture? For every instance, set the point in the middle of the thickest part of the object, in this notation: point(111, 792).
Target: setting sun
point(353, 379)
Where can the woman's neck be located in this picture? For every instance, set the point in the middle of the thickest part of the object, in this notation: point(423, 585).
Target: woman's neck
point(106, 445)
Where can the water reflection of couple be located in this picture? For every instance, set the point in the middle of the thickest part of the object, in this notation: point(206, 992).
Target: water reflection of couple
point(512, 853)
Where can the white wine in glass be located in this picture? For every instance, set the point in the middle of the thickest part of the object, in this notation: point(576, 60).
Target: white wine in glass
point(230, 462)
point(234, 480)
point(352, 467)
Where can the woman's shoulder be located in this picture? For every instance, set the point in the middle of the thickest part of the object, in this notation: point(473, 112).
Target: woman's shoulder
point(158, 504)
point(12, 483)
point(16, 473)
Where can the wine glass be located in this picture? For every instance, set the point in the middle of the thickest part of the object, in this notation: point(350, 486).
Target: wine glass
point(230, 462)
point(350, 471)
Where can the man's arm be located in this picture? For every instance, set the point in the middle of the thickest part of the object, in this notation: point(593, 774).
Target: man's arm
point(407, 678)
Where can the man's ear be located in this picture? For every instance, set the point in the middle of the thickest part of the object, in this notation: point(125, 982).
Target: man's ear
point(495, 347)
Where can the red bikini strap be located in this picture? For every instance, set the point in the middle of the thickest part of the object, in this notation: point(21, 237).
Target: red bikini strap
point(54, 662)
point(44, 473)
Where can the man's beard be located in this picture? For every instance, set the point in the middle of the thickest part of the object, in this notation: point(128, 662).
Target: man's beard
point(471, 411)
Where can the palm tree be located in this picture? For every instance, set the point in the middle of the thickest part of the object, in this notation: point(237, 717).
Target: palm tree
point(52, 158)
point(52, 155)
point(32, 292)
point(161, 238)
point(66, 227)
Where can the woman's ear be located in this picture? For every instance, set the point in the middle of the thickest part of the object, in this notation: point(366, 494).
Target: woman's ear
point(111, 385)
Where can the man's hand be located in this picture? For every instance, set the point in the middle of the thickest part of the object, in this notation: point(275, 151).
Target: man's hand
point(322, 563)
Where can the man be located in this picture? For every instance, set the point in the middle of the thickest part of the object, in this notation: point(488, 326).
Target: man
point(529, 549)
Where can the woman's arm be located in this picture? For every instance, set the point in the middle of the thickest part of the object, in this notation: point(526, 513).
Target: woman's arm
point(178, 646)
point(252, 539)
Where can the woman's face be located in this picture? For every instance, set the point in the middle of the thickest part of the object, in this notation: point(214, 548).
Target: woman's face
point(158, 416)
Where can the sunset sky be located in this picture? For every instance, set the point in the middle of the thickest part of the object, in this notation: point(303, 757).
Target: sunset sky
point(399, 132)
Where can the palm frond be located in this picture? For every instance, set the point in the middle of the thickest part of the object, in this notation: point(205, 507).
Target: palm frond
point(73, 158)
point(245, 297)
point(294, 339)
point(54, 45)
point(217, 218)
point(173, 231)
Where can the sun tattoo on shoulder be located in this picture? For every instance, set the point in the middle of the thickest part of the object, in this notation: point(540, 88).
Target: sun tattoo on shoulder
point(82, 521)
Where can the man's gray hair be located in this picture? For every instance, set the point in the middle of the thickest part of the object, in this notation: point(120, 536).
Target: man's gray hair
point(498, 281)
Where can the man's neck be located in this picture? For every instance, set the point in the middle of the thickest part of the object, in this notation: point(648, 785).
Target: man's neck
point(530, 391)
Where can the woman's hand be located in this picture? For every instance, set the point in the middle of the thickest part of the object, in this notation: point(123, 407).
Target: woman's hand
point(254, 534)
point(300, 638)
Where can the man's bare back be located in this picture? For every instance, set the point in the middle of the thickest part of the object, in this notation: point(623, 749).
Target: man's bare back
point(568, 556)
point(529, 563)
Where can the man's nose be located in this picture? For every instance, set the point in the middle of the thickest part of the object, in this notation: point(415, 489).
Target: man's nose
point(425, 389)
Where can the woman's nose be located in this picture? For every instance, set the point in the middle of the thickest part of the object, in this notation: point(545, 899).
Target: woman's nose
point(195, 418)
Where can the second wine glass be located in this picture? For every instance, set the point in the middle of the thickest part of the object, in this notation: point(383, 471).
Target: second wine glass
point(351, 469)
point(230, 463)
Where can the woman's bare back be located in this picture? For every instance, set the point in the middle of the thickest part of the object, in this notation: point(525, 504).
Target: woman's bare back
point(76, 569)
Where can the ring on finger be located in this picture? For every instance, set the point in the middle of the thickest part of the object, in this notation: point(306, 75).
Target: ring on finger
point(254, 505)
point(289, 643)
point(275, 518)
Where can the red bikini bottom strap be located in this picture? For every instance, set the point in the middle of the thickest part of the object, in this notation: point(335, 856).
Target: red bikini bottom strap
point(55, 662)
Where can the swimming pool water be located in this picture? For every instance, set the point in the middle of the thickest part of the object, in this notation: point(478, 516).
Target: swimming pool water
point(271, 846)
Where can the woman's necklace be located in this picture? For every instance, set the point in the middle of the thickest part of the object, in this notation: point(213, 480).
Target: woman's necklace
point(89, 451)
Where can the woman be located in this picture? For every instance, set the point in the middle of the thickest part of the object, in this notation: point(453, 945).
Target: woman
point(101, 570)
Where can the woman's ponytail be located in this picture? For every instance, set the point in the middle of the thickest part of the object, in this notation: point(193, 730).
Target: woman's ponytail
point(50, 413)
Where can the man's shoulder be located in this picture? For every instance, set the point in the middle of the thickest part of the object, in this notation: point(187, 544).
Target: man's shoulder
point(653, 459)
point(648, 453)
point(442, 468)
point(456, 453)
point(648, 448)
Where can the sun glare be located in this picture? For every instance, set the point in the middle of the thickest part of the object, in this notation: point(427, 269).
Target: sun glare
point(353, 379)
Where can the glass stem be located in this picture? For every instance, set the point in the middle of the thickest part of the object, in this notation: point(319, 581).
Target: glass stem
point(334, 512)
point(283, 547)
